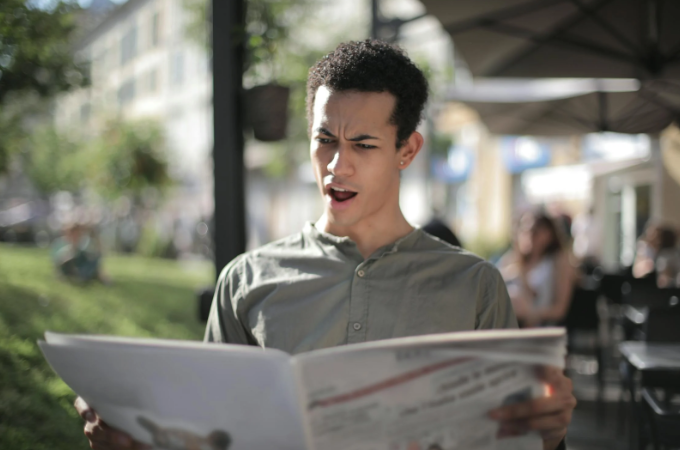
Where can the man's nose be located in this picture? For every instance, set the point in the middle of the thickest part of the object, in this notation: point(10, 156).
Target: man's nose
point(342, 164)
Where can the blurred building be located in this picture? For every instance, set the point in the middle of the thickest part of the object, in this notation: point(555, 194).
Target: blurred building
point(143, 66)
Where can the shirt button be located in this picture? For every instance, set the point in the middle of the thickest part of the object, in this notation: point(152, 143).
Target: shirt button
point(361, 273)
point(357, 326)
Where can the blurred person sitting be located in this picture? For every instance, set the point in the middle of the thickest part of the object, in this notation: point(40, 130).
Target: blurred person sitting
point(438, 229)
point(538, 273)
point(77, 254)
point(657, 255)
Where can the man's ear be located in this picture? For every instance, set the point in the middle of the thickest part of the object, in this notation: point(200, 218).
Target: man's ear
point(410, 149)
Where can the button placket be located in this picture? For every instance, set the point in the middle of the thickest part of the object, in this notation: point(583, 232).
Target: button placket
point(356, 330)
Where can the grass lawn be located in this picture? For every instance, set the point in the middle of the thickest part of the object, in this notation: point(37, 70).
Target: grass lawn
point(148, 297)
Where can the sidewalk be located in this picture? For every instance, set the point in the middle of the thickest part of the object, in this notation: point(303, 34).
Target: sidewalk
point(597, 427)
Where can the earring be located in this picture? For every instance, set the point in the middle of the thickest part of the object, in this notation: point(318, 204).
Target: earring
point(401, 162)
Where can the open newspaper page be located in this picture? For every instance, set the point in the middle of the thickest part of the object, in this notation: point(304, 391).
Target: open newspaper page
point(181, 395)
point(427, 393)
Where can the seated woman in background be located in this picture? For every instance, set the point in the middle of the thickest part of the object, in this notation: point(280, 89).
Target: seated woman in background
point(657, 255)
point(538, 273)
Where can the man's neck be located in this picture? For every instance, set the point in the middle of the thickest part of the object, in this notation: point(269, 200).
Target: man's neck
point(369, 235)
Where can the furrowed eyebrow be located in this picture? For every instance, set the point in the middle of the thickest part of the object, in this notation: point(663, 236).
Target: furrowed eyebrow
point(363, 137)
point(325, 132)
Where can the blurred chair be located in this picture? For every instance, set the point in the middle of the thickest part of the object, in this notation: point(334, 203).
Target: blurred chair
point(610, 285)
point(583, 321)
point(639, 300)
point(662, 411)
point(205, 298)
point(663, 323)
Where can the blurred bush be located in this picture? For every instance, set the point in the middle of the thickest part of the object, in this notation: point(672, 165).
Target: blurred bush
point(125, 159)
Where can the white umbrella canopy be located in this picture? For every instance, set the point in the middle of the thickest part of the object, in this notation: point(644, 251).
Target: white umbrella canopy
point(564, 38)
point(562, 107)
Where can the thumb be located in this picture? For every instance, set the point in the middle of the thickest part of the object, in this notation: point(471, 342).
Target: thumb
point(84, 410)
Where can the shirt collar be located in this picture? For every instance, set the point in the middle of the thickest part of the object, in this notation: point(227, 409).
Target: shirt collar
point(347, 246)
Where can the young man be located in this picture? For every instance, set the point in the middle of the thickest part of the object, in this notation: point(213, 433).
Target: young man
point(362, 272)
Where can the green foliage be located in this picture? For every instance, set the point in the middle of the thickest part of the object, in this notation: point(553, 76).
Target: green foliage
point(153, 244)
point(268, 24)
point(149, 298)
point(129, 158)
point(35, 51)
point(36, 59)
point(56, 161)
point(126, 158)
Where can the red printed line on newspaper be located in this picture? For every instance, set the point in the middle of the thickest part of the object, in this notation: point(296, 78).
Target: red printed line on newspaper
point(386, 384)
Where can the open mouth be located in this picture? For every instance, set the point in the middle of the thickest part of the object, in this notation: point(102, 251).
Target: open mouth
point(341, 195)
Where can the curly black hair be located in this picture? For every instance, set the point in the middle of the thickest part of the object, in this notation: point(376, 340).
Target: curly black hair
point(373, 66)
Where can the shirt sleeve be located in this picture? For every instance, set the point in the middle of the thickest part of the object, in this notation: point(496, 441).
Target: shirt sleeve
point(224, 325)
point(494, 309)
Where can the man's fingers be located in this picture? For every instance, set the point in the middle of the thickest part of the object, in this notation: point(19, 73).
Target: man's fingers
point(84, 410)
point(550, 426)
point(558, 420)
point(539, 406)
point(103, 437)
point(551, 375)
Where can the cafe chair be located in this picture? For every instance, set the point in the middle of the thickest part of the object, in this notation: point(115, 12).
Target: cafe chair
point(583, 320)
point(640, 297)
point(660, 324)
point(663, 324)
point(663, 418)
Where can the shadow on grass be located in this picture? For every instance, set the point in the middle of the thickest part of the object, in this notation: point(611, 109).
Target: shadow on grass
point(35, 406)
point(36, 409)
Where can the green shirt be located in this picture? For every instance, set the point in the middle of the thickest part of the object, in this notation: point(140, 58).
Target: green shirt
point(314, 290)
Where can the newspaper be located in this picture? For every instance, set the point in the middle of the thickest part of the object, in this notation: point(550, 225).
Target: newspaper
point(421, 393)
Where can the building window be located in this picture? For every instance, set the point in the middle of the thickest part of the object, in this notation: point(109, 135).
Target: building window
point(153, 81)
point(155, 30)
point(177, 68)
point(85, 112)
point(149, 82)
point(126, 92)
point(128, 46)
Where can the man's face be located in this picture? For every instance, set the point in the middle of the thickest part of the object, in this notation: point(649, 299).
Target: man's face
point(354, 154)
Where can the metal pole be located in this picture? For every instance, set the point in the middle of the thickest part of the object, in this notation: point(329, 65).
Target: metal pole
point(229, 230)
point(375, 19)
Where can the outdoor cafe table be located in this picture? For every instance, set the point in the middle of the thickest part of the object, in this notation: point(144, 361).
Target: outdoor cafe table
point(659, 365)
point(651, 356)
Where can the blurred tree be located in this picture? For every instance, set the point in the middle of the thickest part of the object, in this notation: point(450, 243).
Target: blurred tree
point(35, 58)
point(268, 25)
point(126, 159)
point(56, 161)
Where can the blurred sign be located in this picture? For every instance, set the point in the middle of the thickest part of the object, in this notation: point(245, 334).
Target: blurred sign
point(559, 183)
point(456, 167)
point(522, 153)
point(615, 146)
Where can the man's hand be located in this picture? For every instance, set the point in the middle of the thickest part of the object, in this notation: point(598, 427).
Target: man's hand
point(102, 436)
point(548, 415)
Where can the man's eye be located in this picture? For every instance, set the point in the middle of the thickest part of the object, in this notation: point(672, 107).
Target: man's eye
point(365, 146)
point(323, 140)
